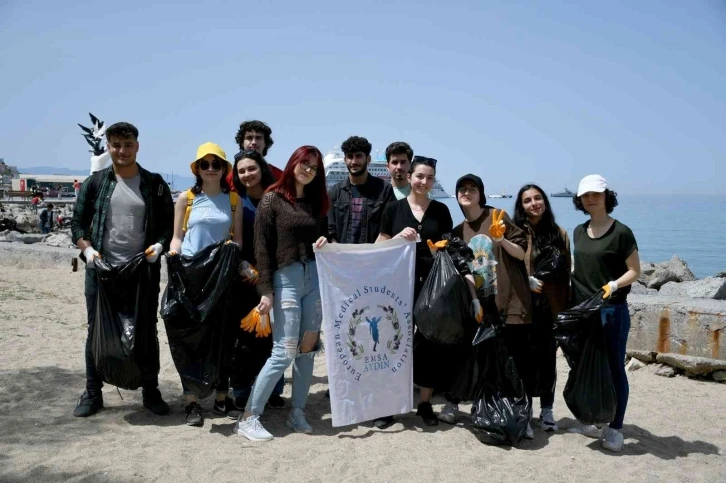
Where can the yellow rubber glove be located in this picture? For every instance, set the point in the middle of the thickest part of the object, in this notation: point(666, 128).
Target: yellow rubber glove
point(608, 289)
point(438, 245)
point(263, 326)
point(496, 231)
point(250, 321)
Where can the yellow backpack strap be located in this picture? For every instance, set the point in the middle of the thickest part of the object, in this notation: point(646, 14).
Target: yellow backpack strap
point(190, 200)
point(233, 200)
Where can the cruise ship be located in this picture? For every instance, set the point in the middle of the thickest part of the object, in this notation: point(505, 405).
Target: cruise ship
point(335, 171)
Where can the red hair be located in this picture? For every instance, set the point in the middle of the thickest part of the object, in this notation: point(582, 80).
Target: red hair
point(316, 191)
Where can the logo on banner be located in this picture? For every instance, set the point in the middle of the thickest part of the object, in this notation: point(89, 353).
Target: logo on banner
point(373, 332)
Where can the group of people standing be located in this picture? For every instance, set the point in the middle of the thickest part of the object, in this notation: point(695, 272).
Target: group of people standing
point(278, 218)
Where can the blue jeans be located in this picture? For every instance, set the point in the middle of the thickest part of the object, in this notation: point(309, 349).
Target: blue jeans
point(296, 312)
point(245, 392)
point(616, 325)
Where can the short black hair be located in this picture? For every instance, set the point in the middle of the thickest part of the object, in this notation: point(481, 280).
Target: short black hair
point(256, 126)
point(356, 144)
point(123, 130)
point(611, 201)
point(398, 147)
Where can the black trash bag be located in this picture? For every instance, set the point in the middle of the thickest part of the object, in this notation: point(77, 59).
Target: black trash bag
point(197, 314)
point(124, 343)
point(589, 391)
point(549, 264)
point(442, 307)
point(501, 412)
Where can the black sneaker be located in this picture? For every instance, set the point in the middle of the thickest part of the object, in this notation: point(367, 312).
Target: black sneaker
point(87, 405)
point(276, 402)
point(154, 403)
point(383, 423)
point(226, 408)
point(426, 411)
point(193, 412)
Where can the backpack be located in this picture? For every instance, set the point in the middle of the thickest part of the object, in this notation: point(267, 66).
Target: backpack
point(233, 200)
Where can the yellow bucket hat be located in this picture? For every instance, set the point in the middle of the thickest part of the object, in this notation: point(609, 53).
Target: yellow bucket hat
point(209, 148)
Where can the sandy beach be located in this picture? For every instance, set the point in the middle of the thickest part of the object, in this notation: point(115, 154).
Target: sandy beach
point(675, 429)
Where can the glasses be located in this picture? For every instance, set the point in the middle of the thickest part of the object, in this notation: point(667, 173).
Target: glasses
point(204, 165)
point(307, 167)
point(465, 190)
point(424, 160)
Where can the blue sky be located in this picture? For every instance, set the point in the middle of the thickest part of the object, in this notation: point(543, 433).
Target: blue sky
point(512, 91)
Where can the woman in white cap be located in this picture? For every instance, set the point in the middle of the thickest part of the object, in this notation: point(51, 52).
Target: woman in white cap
point(215, 215)
point(606, 258)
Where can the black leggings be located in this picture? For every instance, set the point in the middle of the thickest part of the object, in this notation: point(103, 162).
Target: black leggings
point(517, 337)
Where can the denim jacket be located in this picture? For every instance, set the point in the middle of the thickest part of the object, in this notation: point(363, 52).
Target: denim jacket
point(377, 193)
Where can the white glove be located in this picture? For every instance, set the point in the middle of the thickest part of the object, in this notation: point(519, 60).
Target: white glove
point(153, 252)
point(476, 310)
point(609, 289)
point(535, 285)
point(90, 253)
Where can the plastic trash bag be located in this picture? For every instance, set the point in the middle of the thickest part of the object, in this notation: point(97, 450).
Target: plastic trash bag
point(124, 343)
point(501, 412)
point(549, 264)
point(589, 391)
point(442, 306)
point(198, 315)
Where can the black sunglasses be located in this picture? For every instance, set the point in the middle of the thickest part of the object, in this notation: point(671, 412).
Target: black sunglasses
point(204, 165)
point(423, 160)
point(244, 154)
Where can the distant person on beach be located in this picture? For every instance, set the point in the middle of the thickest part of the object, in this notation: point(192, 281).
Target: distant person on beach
point(215, 215)
point(252, 176)
point(46, 219)
point(550, 295)
point(606, 258)
point(76, 187)
point(291, 219)
point(398, 162)
point(357, 204)
point(121, 211)
point(34, 202)
point(500, 277)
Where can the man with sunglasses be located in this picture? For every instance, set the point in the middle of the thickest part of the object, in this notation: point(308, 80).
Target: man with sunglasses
point(356, 204)
point(121, 211)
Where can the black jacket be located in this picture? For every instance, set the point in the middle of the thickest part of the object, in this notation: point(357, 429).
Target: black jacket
point(378, 194)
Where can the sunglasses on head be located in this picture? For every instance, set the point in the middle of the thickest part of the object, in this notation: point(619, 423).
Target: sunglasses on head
point(204, 165)
point(424, 160)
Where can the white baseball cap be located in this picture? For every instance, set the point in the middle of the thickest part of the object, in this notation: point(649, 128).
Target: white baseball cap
point(592, 182)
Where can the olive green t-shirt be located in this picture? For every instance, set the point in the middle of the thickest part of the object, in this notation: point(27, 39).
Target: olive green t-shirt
point(601, 260)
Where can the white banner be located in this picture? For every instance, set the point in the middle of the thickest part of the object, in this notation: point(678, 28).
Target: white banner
point(367, 299)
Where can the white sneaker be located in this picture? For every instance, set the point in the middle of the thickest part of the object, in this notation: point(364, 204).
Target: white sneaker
point(449, 414)
point(547, 421)
point(297, 422)
point(589, 430)
point(252, 429)
point(612, 439)
point(529, 434)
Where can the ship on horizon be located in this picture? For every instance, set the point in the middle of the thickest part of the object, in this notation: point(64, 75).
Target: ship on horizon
point(565, 193)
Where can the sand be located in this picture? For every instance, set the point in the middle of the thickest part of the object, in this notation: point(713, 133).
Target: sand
point(675, 429)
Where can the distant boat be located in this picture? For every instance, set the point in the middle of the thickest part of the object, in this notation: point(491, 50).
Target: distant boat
point(563, 194)
point(503, 194)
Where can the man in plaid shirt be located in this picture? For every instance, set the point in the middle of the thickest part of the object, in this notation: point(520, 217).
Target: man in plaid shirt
point(121, 211)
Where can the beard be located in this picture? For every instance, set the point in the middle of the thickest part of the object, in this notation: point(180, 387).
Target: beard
point(357, 171)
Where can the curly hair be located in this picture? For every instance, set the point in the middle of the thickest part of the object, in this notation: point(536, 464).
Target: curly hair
point(122, 130)
point(267, 177)
point(611, 201)
point(256, 126)
point(356, 144)
point(197, 188)
point(399, 147)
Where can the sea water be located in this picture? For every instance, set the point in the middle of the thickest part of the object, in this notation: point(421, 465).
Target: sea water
point(692, 227)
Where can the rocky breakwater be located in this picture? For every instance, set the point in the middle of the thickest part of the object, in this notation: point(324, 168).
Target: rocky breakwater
point(678, 321)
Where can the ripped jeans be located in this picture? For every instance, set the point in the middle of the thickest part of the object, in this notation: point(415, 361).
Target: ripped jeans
point(296, 312)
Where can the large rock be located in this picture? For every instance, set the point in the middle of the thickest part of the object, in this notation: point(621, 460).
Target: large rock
point(688, 326)
point(665, 371)
point(27, 238)
point(674, 270)
point(59, 240)
point(644, 356)
point(647, 268)
point(719, 376)
point(721, 274)
point(26, 221)
point(706, 288)
point(691, 364)
point(634, 365)
point(640, 289)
